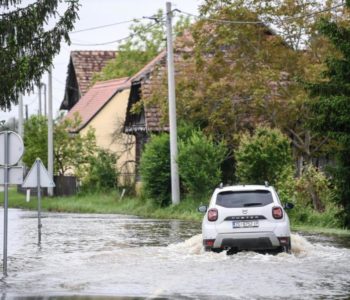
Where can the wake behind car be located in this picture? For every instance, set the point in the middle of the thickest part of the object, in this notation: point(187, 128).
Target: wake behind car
point(246, 217)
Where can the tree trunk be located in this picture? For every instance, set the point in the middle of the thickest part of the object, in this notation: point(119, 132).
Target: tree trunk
point(316, 201)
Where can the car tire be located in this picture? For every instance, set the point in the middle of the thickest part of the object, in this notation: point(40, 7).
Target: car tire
point(287, 248)
point(216, 250)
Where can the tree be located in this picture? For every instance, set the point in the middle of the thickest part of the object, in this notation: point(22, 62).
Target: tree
point(240, 75)
point(35, 140)
point(199, 161)
point(145, 42)
point(26, 46)
point(331, 103)
point(155, 170)
point(72, 151)
point(101, 172)
point(265, 156)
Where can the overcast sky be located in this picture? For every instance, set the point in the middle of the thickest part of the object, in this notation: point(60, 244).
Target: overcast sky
point(96, 13)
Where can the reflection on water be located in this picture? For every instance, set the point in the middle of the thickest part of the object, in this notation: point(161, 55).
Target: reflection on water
point(124, 257)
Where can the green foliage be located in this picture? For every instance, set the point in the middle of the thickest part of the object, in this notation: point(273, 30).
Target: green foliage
point(155, 169)
point(35, 140)
point(101, 172)
point(26, 47)
point(265, 156)
point(330, 106)
point(306, 215)
point(147, 40)
point(199, 163)
point(72, 151)
point(313, 189)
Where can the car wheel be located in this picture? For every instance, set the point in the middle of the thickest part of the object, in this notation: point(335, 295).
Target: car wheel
point(216, 250)
point(287, 248)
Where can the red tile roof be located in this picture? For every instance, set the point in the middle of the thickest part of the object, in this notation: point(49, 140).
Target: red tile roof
point(87, 63)
point(96, 98)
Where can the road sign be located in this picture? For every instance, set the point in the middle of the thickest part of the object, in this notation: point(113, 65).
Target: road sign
point(32, 181)
point(15, 175)
point(38, 177)
point(15, 148)
point(11, 151)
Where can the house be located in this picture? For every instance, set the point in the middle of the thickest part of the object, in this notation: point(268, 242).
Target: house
point(81, 68)
point(103, 108)
point(148, 120)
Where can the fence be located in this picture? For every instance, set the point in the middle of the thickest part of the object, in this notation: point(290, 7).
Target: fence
point(65, 186)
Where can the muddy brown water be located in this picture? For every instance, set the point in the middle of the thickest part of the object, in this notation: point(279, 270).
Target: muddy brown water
point(94, 256)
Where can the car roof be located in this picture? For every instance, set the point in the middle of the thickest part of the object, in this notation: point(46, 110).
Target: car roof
point(244, 188)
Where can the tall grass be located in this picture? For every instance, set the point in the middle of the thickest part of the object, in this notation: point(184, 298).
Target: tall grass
point(107, 203)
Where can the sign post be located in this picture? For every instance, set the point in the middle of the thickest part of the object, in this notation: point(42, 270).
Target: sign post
point(38, 177)
point(10, 154)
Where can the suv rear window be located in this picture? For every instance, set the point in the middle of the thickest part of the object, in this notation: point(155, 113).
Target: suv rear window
point(236, 199)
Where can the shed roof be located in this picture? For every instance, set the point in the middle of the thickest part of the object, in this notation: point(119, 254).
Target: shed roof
point(96, 98)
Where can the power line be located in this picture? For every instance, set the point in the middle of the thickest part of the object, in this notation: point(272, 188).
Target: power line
point(103, 43)
point(259, 22)
point(114, 41)
point(105, 26)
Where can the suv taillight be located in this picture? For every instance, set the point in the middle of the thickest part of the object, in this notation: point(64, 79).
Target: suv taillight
point(213, 214)
point(277, 212)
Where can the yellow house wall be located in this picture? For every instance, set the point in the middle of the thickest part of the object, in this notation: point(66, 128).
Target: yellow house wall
point(109, 120)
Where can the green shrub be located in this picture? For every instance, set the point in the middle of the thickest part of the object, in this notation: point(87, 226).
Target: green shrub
point(306, 215)
point(313, 188)
point(199, 163)
point(265, 156)
point(101, 172)
point(155, 170)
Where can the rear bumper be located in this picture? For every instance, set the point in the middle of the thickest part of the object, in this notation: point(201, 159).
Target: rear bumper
point(246, 241)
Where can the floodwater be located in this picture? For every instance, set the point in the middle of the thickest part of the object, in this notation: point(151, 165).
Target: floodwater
point(123, 257)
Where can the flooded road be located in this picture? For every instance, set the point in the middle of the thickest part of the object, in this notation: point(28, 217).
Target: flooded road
point(124, 256)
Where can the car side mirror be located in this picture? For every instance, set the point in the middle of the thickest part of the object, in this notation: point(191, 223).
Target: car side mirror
point(203, 209)
point(288, 205)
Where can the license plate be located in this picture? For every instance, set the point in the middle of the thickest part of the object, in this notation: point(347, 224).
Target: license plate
point(245, 224)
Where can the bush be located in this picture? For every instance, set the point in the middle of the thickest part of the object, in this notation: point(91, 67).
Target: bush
point(265, 156)
point(101, 172)
point(155, 170)
point(313, 188)
point(199, 163)
point(306, 215)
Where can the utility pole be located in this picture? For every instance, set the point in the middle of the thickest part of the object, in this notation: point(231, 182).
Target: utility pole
point(45, 100)
point(175, 183)
point(50, 132)
point(26, 110)
point(20, 115)
point(39, 91)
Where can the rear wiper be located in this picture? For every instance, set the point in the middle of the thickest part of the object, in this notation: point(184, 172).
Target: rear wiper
point(252, 204)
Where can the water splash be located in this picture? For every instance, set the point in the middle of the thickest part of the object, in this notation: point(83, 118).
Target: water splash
point(300, 246)
point(193, 246)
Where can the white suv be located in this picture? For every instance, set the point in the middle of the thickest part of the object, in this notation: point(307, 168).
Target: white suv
point(246, 217)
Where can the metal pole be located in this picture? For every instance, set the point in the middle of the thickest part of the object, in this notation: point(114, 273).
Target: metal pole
point(45, 100)
point(26, 109)
point(6, 169)
point(50, 133)
point(39, 91)
point(175, 184)
point(20, 115)
point(39, 200)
